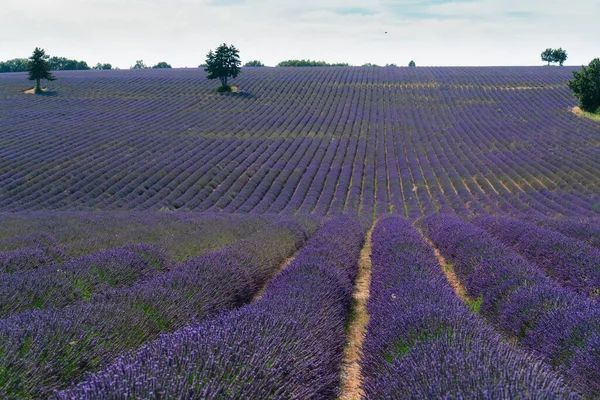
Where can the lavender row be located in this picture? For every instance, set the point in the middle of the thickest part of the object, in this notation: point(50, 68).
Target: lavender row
point(44, 350)
point(423, 342)
point(567, 261)
point(60, 236)
point(60, 285)
point(562, 326)
point(586, 231)
point(288, 344)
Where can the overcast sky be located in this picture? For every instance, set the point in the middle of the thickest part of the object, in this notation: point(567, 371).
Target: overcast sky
point(180, 32)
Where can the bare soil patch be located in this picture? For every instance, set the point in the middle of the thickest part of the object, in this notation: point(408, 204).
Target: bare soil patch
point(355, 334)
point(580, 113)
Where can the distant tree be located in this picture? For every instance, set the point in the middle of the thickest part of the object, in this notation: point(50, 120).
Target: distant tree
point(139, 64)
point(309, 63)
point(102, 66)
point(39, 68)
point(586, 86)
point(14, 65)
point(223, 63)
point(548, 55)
point(412, 64)
point(162, 64)
point(391, 65)
point(254, 63)
point(370, 65)
point(559, 55)
point(65, 64)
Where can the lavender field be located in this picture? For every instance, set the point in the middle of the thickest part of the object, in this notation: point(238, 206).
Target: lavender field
point(323, 233)
point(326, 141)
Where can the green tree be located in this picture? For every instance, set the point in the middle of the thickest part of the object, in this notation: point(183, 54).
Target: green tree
point(139, 64)
point(586, 86)
point(254, 63)
point(14, 65)
point(65, 64)
point(162, 64)
point(102, 66)
point(223, 63)
point(560, 56)
point(310, 63)
point(39, 68)
point(548, 55)
point(412, 64)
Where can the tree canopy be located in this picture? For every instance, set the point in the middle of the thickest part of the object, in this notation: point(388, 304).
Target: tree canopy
point(139, 64)
point(102, 66)
point(39, 68)
point(162, 64)
point(586, 86)
point(412, 64)
point(65, 64)
point(14, 65)
point(223, 63)
point(254, 63)
point(560, 56)
point(55, 64)
point(554, 56)
point(309, 63)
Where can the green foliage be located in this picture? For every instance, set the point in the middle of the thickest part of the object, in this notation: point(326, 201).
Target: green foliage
point(162, 64)
point(586, 86)
point(309, 63)
point(254, 63)
point(560, 56)
point(412, 64)
point(102, 66)
point(370, 65)
point(14, 65)
point(223, 63)
point(65, 64)
point(391, 65)
point(554, 56)
point(548, 55)
point(39, 68)
point(139, 64)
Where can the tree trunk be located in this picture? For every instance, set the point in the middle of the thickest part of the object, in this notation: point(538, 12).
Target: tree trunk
point(37, 86)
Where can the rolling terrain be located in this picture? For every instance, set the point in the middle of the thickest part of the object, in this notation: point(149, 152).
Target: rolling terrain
point(324, 233)
point(326, 141)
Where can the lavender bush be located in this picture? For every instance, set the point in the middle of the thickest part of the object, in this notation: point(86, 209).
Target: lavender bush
point(47, 349)
point(521, 301)
point(423, 342)
point(567, 261)
point(289, 344)
point(60, 285)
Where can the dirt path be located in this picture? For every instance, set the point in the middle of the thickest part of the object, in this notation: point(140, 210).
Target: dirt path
point(355, 333)
point(453, 280)
point(283, 265)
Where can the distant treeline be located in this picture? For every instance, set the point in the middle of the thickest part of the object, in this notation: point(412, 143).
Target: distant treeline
point(310, 63)
point(56, 64)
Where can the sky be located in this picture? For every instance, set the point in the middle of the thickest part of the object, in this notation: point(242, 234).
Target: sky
point(181, 32)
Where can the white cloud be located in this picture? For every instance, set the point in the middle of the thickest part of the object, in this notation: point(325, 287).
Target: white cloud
point(432, 32)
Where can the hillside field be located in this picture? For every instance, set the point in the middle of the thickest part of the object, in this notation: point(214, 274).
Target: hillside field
point(358, 141)
point(324, 233)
